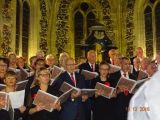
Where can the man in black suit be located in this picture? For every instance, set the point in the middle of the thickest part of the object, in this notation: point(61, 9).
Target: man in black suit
point(123, 95)
point(90, 65)
point(73, 108)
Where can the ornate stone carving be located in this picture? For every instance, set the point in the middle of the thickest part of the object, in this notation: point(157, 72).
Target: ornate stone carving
point(44, 26)
point(6, 27)
point(62, 26)
point(130, 37)
point(148, 31)
point(106, 9)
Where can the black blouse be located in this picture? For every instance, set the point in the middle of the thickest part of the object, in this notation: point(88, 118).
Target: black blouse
point(103, 108)
point(43, 114)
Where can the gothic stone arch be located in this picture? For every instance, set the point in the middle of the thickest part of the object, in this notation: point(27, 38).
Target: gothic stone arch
point(64, 32)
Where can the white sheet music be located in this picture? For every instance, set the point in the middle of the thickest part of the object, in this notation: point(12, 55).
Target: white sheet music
point(17, 98)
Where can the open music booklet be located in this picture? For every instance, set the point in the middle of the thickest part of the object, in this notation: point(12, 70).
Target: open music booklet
point(142, 75)
point(106, 91)
point(66, 86)
point(15, 99)
point(130, 84)
point(49, 99)
point(89, 75)
point(21, 73)
point(55, 72)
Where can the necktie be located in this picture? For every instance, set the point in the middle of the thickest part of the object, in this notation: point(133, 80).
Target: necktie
point(112, 62)
point(73, 80)
point(124, 74)
point(92, 68)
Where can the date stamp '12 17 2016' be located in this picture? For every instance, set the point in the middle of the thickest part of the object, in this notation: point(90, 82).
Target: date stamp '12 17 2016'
point(138, 109)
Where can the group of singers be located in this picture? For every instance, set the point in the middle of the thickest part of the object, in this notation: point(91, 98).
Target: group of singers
point(77, 107)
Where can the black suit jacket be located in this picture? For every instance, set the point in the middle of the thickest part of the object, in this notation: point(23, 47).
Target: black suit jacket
point(71, 109)
point(135, 73)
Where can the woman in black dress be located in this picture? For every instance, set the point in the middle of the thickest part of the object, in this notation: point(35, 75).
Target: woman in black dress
point(103, 108)
point(37, 112)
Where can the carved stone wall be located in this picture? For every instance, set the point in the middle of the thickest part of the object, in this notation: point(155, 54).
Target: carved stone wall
point(6, 27)
point(129, 33)
point(106, 10)
point(43, 26)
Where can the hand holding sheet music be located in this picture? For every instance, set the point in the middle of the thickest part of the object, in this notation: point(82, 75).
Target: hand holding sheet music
point(66, 86)
point(17, 98)
point(44, 103)
point(104, 90)
point(4, 101)
point(49, 100)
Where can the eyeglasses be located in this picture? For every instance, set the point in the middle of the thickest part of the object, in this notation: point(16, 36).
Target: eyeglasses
point(104, 69)
point(41, 64)
point(70, 64)
point(45, 75)
point(3, 66)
